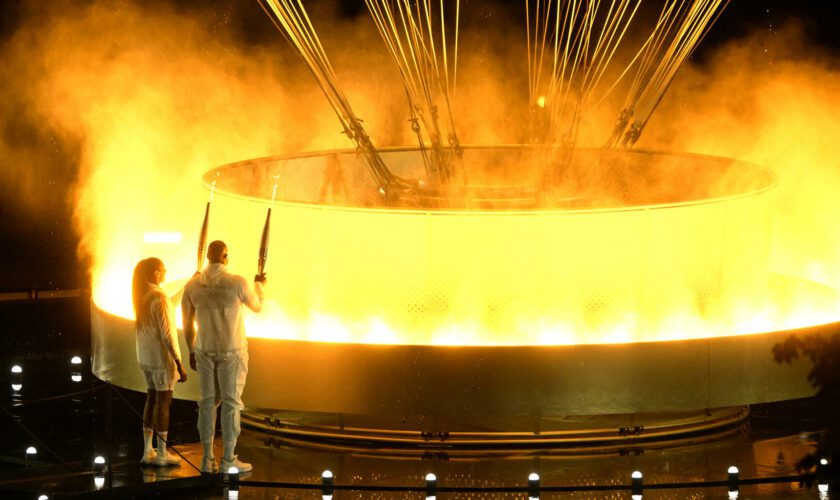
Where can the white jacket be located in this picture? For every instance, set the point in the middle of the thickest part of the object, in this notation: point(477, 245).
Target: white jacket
point(217, 297)
point(157, 334)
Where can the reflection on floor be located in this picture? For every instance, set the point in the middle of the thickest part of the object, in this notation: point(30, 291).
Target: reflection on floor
point(757, 452)
point(64, 409)
point(276, 463)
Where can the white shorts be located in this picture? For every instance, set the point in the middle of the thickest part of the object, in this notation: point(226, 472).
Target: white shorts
point(160, 379)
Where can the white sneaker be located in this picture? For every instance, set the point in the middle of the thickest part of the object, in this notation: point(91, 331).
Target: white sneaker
point(242, 466)
point(209, 466)
point(149, 457)
point(166, 460)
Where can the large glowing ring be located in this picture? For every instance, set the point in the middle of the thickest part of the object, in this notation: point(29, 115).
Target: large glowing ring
point(675, 246)
point(368, 299)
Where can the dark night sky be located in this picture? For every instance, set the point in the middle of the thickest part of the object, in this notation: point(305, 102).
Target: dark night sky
point(39, 249)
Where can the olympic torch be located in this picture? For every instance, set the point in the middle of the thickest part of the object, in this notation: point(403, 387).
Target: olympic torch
point(263, 257)
point(202, 238)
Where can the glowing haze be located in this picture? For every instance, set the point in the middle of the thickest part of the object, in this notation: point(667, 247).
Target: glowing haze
point(156, 97)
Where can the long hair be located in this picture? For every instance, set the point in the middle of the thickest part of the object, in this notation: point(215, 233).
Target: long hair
point(143, 272)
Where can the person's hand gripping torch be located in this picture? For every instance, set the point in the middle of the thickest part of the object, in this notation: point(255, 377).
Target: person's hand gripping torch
point(263, 257)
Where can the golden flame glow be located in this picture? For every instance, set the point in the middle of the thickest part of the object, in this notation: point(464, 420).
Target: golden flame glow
point(162, 237)
point(482, 278)
point(157, 99)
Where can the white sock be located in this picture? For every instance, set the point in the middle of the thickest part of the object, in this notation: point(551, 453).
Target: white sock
point(147, 439)
point(208, 450)
point(228, 451)
point(161, 442)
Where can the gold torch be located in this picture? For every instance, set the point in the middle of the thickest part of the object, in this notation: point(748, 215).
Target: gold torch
point(202, 238)
point(263, 257)
point(202, 250)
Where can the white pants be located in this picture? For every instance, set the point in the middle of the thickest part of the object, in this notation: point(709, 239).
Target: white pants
point(221, 378)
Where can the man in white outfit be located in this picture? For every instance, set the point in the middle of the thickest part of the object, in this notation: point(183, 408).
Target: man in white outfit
point(219, 350)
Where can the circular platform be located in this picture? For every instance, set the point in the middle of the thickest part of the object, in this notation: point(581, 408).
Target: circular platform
point(594, 315)
point(482, 436)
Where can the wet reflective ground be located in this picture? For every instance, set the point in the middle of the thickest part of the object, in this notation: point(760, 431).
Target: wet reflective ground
point(58, 408)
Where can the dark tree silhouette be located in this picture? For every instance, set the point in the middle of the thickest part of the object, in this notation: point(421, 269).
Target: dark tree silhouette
point(824, 352)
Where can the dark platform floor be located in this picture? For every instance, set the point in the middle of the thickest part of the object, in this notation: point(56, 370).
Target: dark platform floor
point(66, 419)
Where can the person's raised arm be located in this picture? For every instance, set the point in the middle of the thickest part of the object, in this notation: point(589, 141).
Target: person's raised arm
point(254, 300)
point(188, 317)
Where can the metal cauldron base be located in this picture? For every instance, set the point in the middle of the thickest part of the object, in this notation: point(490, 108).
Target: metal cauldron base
point(573, 435)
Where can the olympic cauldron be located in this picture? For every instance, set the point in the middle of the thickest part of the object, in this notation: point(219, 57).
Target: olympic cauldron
point(629, 301)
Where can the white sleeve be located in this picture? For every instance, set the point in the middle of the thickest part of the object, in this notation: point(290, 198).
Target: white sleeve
point(252, 299)
point(165, 320)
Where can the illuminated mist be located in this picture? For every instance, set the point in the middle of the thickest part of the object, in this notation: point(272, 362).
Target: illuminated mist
point(147, 99)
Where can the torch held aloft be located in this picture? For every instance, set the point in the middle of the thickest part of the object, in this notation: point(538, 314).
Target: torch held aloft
point(202, 238)
point(263, 257)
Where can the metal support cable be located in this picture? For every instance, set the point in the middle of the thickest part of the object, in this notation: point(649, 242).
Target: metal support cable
point(290, 17)
point(586, 36)
point(61, 396)
point(413, 36)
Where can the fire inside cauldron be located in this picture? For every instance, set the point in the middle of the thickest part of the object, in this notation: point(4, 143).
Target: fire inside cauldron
point(606, 255)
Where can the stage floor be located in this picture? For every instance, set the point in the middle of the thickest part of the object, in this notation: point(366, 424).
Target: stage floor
point(277, 463)
point(66, 419)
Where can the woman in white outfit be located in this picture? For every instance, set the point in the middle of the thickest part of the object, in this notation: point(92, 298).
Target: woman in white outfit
point(158, 355)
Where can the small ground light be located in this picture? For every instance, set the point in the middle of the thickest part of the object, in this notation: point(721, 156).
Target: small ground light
point(822, 470)
point(75, 360)
point(17, 369)
point(30, 453)
point(636, 483)
point(533, 485)
point(733, 479)
point(431, 485)
point(99, 463)
point(327, 483)
point(822, 465)
point(233, 478)
point(43, 497)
